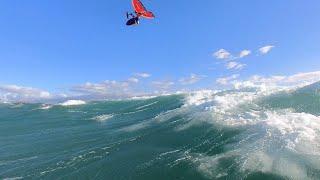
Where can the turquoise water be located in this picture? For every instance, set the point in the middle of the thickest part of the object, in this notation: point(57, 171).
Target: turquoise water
point(239, 134)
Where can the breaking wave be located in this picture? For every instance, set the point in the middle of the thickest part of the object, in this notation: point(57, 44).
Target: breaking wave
point(73, 103)
point(247, 133)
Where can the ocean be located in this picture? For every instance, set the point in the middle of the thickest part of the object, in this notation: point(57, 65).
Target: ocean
point(248, 133)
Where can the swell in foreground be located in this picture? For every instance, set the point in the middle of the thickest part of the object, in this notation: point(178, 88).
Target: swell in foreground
point(237, 134)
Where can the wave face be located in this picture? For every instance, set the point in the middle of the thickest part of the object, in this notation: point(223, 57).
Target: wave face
point(236, 134)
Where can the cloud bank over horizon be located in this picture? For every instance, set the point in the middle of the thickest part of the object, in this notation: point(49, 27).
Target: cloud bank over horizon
point(128, 88)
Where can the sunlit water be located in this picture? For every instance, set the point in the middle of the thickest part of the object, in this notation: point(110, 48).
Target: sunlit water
point(239, 134)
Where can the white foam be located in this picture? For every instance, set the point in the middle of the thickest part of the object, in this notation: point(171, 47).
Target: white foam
point(142, 97)
point(226, 107)
point(258, 161)
point(136, 127)
point(73, 103)
point(208, 165)
point(103, 117)
point(169, 152)
point(282, 142)
point(45, 106)
point(300, 130)
point(199, 97)
point(13, 178)
point(262, 162)
point(147, 105)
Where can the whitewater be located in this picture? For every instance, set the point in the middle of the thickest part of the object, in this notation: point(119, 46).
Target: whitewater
point(242, 133)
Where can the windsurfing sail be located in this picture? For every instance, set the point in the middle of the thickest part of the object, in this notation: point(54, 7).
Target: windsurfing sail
point(141, 10)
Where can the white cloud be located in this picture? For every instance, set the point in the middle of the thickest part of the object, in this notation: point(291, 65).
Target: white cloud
point(106, 88)
point(194, 78)
point(133, 80)
point(163, 85)
point(226, 80)
point(131, 88)
point(296, 80)
point(120, 89)
point(244, 53)
point(304, 77)
point(142, 75)
point(266, 49)
point(222, 54)
point(235, 65)
point(20, 93)
point(267, 80)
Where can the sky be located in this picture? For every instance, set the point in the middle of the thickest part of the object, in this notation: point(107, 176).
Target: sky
point(84, 47)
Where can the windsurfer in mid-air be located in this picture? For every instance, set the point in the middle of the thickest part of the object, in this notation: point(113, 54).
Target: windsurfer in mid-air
point(140, 11)
point(133, 20)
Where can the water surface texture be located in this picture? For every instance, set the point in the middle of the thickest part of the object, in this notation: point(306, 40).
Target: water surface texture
point(236, 134)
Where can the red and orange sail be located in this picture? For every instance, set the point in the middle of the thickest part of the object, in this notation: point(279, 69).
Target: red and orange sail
point(141, 10)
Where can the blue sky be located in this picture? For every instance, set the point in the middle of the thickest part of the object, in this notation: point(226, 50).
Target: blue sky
point(56, 45)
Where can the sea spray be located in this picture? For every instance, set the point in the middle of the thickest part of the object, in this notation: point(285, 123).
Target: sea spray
point(255, 133)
